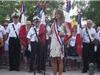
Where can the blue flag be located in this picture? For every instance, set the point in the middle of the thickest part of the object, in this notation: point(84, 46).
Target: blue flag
point(79, 20)
point(68, 5)
point(23, 8)
point(38, 9)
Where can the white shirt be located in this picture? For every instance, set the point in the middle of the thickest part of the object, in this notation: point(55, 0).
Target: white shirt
point(2, 31)
point(48, 29)
point(72, 41)
point(32, 35)
point(98, 35)
point(7, 39)
point(11, 30)
point(92, 34)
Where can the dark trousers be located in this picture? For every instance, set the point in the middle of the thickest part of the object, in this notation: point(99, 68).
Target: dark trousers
point(88, 55)
point(1, 53)
point(43, 57)
point(35, 56)
point(14, 53)
point(98, 57)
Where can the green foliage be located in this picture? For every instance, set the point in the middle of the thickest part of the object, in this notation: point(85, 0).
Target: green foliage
point(8, 7)
point(79, 3)
point(90, 10)
point(53, 5)
point(93, 11)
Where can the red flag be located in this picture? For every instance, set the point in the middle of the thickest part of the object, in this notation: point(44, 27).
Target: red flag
point(22, 35)
point(67, 37)
point(42, 34)
point(78, 37)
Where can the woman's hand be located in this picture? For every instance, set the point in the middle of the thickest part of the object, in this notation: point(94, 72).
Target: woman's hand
point(61, 34)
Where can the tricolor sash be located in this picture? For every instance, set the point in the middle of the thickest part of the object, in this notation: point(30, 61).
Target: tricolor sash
point(58, 37)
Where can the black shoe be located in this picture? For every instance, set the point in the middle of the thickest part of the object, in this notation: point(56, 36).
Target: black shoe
point(39, 71)
point(98, 70)
point(84, 71)
point(11, 69)
point(30, 70)
point(64, 70)
point(17, 70)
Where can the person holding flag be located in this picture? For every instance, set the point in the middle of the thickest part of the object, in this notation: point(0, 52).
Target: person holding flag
point(33, 40)
point(42, 36)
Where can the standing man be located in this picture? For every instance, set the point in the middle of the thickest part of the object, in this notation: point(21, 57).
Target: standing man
point(88, 35)
point(14, 43)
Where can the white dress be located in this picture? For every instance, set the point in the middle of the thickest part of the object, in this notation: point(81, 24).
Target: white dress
point(56, 49)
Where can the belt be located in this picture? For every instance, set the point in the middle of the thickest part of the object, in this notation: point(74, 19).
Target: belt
point(13, 37)
point(86, 42)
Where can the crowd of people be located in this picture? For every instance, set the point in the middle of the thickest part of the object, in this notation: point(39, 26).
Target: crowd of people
point(37, 42)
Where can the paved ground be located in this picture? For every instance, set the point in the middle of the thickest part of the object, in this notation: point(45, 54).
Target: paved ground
point(6, 72)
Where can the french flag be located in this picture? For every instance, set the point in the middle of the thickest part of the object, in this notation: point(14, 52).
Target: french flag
point(78, 37)
point(68, 20)
point(42, 30)
point(23, 31)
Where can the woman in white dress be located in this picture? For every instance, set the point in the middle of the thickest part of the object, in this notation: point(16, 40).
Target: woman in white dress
point(57, 46)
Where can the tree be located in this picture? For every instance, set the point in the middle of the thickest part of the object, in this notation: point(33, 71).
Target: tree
point(93, 12)
point(79, 4)
point(8, 7)
point(90, 9)
point(50, 6)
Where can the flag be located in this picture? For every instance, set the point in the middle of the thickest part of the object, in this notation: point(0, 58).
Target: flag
point(67, 14)
point(43, 17)
point(79, 20)
point(78, 37)
point(22, 30)
point(68, 20)
point(23, 11)
point(42, 30)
